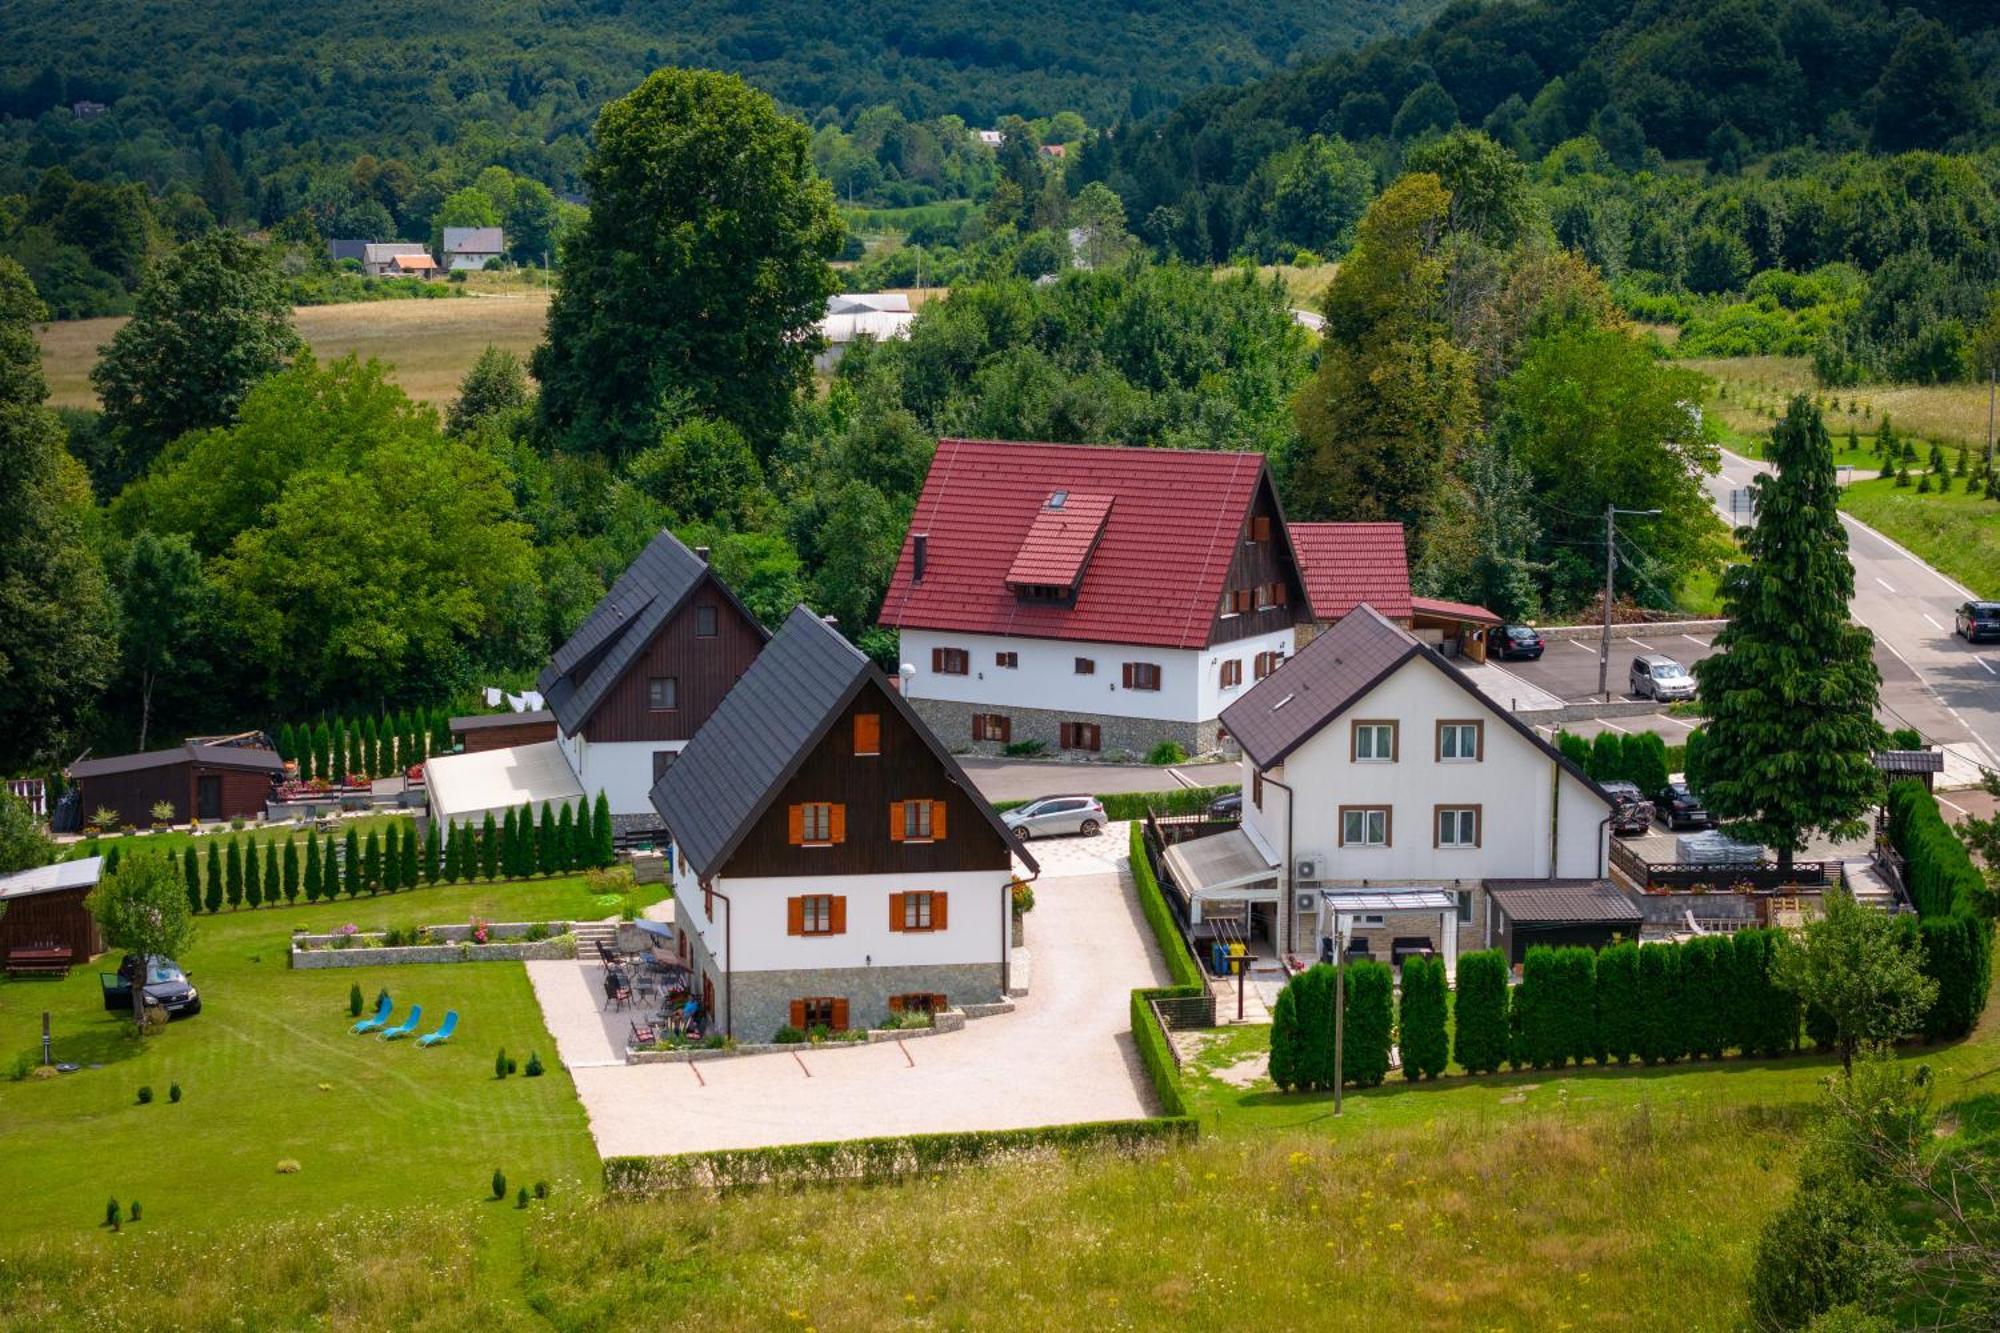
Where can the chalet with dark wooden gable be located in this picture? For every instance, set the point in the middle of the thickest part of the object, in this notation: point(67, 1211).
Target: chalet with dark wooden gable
point(644, 671)
point(835, 864)
point(1099, 600)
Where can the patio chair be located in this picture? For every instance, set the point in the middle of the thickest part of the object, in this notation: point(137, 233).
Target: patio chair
point(643, 1035)
point(407, 1026)
point(445, 1029)
point(380, 1019)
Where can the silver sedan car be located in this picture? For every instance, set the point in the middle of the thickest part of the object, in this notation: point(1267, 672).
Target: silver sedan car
point(1055, 814)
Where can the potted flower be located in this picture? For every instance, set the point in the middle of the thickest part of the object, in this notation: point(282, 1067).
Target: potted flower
point(479, 931)
point(163, 816)
point(102, 820)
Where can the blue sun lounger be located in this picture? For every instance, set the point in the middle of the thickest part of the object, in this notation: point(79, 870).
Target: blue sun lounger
point(407, 1026)
point(445, 1029)
point(380, 1020)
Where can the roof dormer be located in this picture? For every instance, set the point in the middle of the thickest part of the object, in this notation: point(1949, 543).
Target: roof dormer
point(1050, 562)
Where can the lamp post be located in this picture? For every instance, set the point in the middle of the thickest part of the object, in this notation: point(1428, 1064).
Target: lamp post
point(1611, 513)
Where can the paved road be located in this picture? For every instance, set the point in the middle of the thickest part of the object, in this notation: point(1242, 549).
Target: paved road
point(1931, 680)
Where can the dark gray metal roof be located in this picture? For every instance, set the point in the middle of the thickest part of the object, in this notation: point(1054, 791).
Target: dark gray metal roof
point(586, 668)
point(485, 721)
point(1563, 902)
point(211, 756)
point(765, 727)
point(1910, 761)
point(1329, 675)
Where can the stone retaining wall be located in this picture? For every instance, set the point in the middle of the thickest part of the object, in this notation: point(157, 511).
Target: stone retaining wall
point(453, 946)
point(1637, 630)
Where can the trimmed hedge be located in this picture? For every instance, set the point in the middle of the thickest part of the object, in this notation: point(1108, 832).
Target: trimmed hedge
point(1557, 1004)
point(1134, 804)
point(1420, 1019)
point(1181, 964)
point(1659, 1038)
point(1152, 1044)
point(1949, 894)
point(1480, 1041)
point(872, 1161)
point(1618, 1002)
point(1365, 1052)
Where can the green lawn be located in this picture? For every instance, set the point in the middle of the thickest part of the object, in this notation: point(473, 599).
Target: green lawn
point(270, 1072)
point(1956, 533)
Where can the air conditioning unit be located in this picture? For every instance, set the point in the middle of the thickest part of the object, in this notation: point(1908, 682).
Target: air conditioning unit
point(1307, 902)
point(1306, 869)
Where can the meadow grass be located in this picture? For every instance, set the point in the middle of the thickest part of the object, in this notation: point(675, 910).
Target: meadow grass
point(1951, 414)
point(430, 344)
point(1956, 533)
point(270, 1072)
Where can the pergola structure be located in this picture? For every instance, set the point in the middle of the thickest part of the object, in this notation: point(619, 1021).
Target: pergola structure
point(1339, 907)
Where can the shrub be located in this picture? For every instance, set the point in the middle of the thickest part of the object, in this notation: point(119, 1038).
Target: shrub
point(288, 1166)
point(511, 1066)
point(1022, 896)
point(521, 1199)
point(1766, 1015)
point(133, 1213)
point(1167, 752)
point(1423, 1043)
point(173, 1092)
point(1480, 1041)
point(499, 1183)
point(1646, 761)
point(112, 1214)
point(163, 812)
point(1951, 899)
point(1540, 1042)
point(1024, 749)
point(1365, 1052)
point(1285, 1039)
point(1826, 1247)
point(354, 1000)
point(1618, 1001)
point(1181, 966)
point(502, 1066)
point(1708, 974)
point(145, 1094)
point(1607, 757)
point(535, 933)
point(534, 1069)
point(541, 1189)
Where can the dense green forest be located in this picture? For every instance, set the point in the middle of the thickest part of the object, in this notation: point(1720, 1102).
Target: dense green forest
point(520, 84)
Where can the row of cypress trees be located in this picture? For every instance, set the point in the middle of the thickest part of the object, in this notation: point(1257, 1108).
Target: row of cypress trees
point(1639, 758)
point(388, 860)
point(374, 747)
point(1947, 891)
point(1653, 1003)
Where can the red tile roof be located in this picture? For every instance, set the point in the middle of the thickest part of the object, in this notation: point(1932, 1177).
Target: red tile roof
point(1434, 606)
point(1155, 579)
point(1346, 564)
point(1060, 540)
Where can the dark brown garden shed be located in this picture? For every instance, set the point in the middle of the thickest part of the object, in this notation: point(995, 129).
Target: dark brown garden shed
point(207, 782)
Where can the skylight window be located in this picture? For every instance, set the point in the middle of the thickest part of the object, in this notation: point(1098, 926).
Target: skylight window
point(1059, 499)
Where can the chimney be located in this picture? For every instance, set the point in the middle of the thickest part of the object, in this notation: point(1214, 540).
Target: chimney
point(701, 554)
point(920, 549)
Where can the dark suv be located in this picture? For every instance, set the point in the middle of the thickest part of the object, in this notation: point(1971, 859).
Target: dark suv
point(1513, 641)
point(1976, 621)
point(165, 985)
point(1681, 808)
point(1631, 812)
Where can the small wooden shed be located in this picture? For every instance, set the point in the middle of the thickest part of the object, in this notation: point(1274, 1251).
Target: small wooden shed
point(45, 909)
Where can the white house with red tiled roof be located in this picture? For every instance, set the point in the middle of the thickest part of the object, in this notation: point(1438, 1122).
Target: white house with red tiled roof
point(1097, 599)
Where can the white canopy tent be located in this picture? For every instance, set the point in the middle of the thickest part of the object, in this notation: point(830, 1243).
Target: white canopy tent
point(469, 786)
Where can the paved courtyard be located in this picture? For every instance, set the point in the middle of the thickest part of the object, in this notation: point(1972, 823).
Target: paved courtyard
point(1064, 1055)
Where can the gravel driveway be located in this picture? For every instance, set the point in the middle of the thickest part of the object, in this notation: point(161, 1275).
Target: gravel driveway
point(1064, 1055)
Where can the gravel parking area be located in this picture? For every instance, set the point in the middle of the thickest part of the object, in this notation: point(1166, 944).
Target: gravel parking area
point(1065, 1055)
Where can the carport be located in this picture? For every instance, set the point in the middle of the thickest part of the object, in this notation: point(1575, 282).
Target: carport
point(468, 787)
point(1339, 909)
point(1222, 879)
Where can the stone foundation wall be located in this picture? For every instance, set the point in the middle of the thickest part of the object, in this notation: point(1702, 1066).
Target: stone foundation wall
point(761, 1002)
point(561, 946)
point(1121, 739)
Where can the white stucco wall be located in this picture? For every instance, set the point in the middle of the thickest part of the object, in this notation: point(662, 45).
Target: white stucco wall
point(622, 770)
point(975, 931)
point(1514, 783)
point(1190, 680)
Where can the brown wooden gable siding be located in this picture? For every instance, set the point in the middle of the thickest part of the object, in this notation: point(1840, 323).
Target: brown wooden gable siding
point(134, 794)
point(704, 668)
point(1256, 564)
point(905, 770)
point(58, 919)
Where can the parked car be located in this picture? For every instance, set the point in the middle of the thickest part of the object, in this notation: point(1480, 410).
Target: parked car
point(1679, 807)
point(165, 985)
point(1055, 814)
point(1631, 812)
point(1229, 805)
point(1657, 677)
point(1519, 641)
point(1976, 621)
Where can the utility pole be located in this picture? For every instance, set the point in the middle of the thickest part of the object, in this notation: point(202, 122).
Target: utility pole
point(1611, 513)
point(1992, 386)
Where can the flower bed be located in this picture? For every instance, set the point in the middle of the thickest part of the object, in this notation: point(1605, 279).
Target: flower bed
point(951, 1020)
point(473, 942)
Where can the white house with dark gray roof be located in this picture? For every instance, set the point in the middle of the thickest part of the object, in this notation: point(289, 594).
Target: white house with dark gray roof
point(835, 864)
point(469, 249)
point(1373, 765)
point(643, 672)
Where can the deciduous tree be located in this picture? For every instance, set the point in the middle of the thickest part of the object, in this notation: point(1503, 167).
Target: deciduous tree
point(1862, 969)
point(142, 908)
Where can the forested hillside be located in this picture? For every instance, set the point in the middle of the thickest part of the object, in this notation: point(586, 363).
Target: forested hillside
point(519, 84)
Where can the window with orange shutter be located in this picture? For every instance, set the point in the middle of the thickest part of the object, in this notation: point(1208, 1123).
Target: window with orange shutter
point(812, 822)
point(867, 734)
